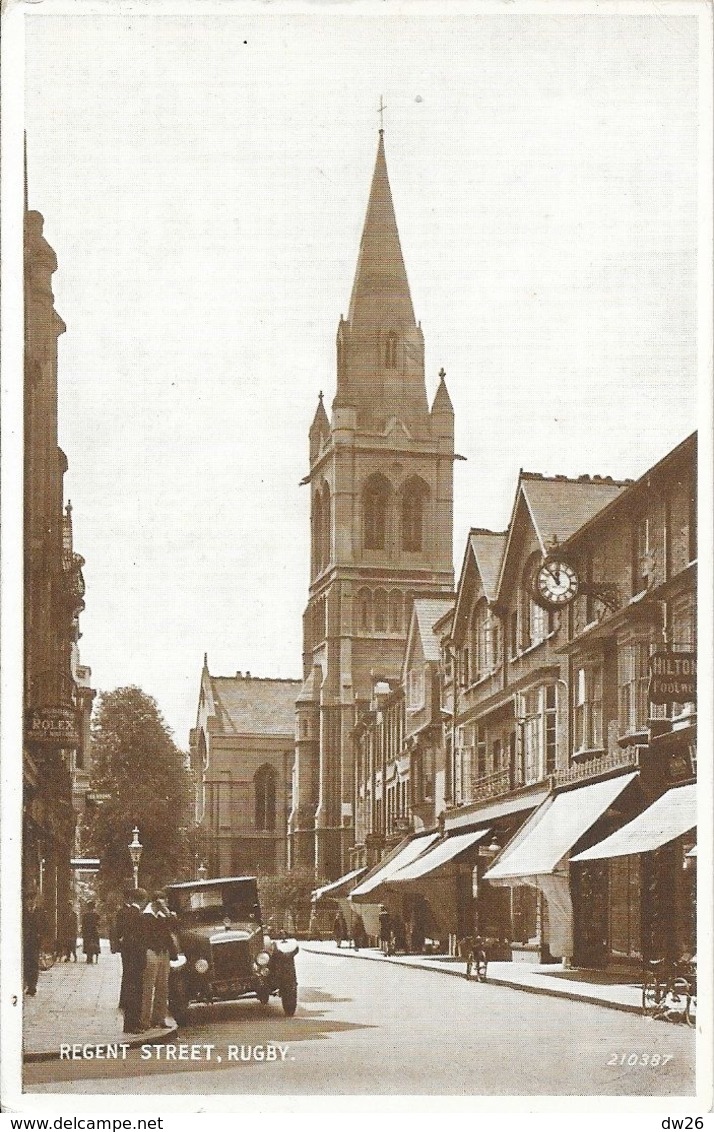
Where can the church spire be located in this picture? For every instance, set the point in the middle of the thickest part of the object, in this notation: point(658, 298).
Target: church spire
point(380, 284)
point(380, 348)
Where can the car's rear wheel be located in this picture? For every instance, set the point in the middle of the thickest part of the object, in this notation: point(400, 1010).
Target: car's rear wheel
point(288, 996)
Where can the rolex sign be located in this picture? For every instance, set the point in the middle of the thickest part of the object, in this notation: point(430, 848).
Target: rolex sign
point(673, 677)
point(51, 727)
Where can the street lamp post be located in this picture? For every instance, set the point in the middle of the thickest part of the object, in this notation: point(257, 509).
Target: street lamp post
point(135, 849)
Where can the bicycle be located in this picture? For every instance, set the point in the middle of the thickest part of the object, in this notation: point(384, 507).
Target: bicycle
point(666, 992)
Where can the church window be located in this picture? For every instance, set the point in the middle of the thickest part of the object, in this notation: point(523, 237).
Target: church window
point(390, 351)
point(317, 532)
point(326, 527)
point(396, 612)
point(376, 498)
point(264, 784)
point(413, 496)
point(364, 607)
point(380, 611)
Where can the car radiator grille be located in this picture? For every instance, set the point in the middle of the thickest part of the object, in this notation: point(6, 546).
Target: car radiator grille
point(231, 960)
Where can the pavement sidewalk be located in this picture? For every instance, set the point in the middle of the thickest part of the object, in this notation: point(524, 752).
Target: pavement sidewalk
point(76, 1004)
point(549, 979)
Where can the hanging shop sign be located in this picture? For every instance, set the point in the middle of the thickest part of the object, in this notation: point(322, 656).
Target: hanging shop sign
point(673, 677)
point(52, 727)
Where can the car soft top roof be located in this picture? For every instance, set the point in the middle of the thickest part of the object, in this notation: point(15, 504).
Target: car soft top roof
point(213, 883)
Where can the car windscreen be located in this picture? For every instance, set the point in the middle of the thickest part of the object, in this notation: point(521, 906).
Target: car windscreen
point(237, 902)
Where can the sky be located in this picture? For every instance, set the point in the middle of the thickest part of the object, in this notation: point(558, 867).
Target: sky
point(204, 180)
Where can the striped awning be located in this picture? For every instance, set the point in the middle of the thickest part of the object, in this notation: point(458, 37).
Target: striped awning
point(671, 816)
point(439, 855)
point(369, 891)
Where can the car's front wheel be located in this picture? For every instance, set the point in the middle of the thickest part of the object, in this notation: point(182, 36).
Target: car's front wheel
point(288, 995)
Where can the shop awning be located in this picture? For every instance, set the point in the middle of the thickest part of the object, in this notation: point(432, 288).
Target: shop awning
point(671, 816)
point(338, 887)
point(369, 891)
point(438, 855)
point(550, 833)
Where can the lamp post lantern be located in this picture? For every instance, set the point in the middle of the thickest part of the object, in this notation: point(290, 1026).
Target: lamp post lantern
point(202, 872)
point(135, 849)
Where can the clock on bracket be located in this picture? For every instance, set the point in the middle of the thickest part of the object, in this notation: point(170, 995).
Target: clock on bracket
point(554, 583)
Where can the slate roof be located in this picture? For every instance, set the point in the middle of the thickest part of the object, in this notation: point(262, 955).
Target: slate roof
point(428, 610)
point(249, 705)
point(560, 506)
point(488, 548)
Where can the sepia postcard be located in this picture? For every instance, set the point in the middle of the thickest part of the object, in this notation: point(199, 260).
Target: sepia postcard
point(357, 474)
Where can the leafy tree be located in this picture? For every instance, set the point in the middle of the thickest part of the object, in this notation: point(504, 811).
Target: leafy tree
point(285, 899)
point(138, 765)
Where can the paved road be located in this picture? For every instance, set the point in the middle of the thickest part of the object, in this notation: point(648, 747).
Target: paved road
point(378, 1028)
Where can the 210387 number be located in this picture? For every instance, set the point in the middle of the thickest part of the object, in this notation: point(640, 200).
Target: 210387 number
point(653, 1060)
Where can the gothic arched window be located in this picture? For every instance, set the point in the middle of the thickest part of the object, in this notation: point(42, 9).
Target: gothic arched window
point(326, 526)
point(396, 611)
point(364, 610)
point(380, 611)
point(376, 499)
point(264, 784)
point(390, 351)
point(414, 496)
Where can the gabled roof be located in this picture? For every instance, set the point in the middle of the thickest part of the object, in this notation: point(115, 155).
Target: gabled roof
point(426, 612)
point(488, 548)
point(249, 705)
point(484, 553)
point(558, 506)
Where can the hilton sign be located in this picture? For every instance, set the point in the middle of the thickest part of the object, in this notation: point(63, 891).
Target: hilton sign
point(51, 727)
point(673, 678)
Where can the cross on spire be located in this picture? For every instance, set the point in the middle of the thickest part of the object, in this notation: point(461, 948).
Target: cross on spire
point(380, 110)
point(442, 373)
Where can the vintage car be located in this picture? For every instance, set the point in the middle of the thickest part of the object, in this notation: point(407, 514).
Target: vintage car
point(223, 953)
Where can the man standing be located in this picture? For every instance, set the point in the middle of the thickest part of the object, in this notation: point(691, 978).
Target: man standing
point(31, 941)
point(385, 931)
point(155, 991)
point(132, 945)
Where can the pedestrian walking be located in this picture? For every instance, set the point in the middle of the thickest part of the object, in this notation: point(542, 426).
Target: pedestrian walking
point(339, 928)
point(69, 930)
point(385, 931)
point(160, 948)
point(31, 942)
point(359, 935)
point(132, 944)
point(90, 933)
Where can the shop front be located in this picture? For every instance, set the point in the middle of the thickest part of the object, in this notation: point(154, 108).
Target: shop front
point(657, 847)
point(539, 854)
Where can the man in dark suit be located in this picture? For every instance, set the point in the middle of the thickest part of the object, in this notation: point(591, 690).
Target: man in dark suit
point(32, 930)
point(130, 939)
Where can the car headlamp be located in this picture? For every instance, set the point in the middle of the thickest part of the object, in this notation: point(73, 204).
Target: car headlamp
point(201, 966)
point(262, 959)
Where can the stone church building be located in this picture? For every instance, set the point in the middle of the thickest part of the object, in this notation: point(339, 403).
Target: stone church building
point(381, 502)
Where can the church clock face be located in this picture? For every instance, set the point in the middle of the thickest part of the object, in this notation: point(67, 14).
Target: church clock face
point(555, 583)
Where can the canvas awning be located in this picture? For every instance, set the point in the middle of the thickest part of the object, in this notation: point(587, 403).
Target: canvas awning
point(438, 855)
point(550, 833)
point(338, 887)
point(671, 816)
point(369, 891)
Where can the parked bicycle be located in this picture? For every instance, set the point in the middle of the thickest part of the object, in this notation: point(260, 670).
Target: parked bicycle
point(669, 990)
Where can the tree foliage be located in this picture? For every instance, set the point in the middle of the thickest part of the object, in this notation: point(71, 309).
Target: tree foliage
point(285, 899)
point(138, 765)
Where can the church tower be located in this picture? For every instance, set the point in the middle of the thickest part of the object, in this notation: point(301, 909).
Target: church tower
point(381, 502)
